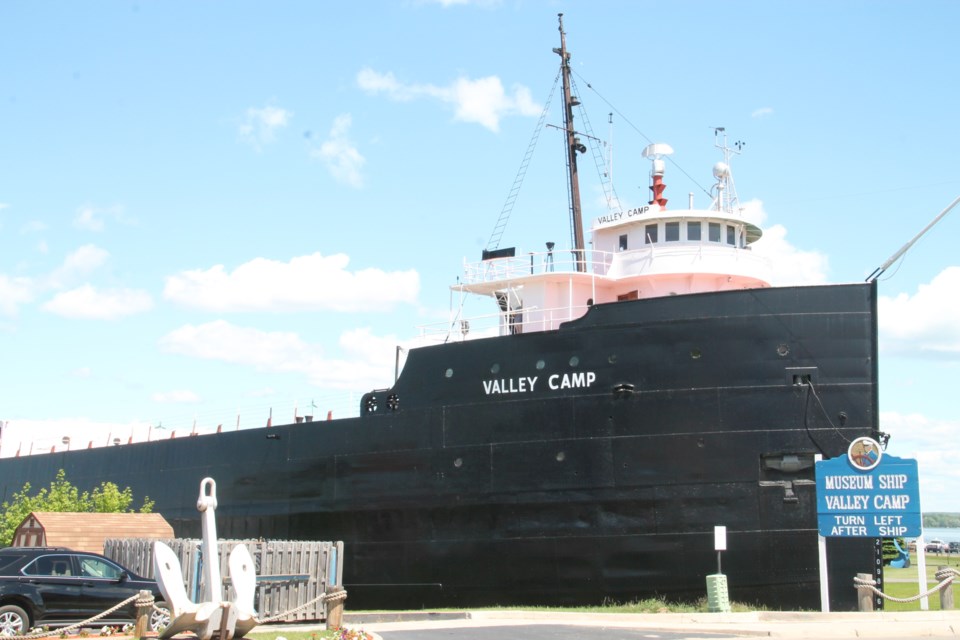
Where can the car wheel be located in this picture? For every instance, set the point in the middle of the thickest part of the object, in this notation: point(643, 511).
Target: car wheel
point(160, 620)
point(13, 621)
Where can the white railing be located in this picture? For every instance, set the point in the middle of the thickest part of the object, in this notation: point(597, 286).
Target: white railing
point(596, 262)
point(646, 260)
point(488, 325)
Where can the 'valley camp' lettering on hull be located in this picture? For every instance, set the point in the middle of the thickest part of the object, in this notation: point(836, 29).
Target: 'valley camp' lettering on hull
point(571, 380)
point(509, 385)
point(526, 384)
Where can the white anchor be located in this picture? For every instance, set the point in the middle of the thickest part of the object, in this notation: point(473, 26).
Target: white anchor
point(211, 615)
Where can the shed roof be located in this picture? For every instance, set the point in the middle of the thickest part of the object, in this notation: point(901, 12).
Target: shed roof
point(87, 531)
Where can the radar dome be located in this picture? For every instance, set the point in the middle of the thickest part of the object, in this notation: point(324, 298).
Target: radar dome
point(721, 171)
point(657, 149)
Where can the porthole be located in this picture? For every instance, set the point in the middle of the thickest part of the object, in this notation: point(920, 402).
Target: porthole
point(612, 358)
point(695, 354)
point(561, 456)
point(783, 350)
point(574, 361)
point(540, 365)
point(449, 373)
point(458, 463)
point(495, 368)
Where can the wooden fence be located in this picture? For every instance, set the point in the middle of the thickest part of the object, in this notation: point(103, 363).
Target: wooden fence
point(289, 573)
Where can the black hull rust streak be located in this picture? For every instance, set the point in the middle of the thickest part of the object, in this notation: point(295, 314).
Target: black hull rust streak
point(601, 492)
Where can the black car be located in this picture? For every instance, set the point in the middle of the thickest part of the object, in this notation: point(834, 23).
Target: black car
point(58, 587)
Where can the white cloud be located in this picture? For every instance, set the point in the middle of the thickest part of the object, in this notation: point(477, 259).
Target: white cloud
point(259, 126)
point(368, 347)
point(483, 101)
point(89, 303)
point(791, 266)
point(14, 291)
point(312, 282)
point(933, 443)
point(762, 112)
point(178, 396)
point(369, 366)
point(374, 82)
point(340, 155)
point(76, 265)
point(94, 218)
point(923, 324)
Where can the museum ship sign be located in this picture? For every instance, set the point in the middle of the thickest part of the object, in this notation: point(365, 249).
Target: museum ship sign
point(868, 494)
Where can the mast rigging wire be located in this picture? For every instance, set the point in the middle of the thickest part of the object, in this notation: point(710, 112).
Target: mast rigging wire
point(644, 136)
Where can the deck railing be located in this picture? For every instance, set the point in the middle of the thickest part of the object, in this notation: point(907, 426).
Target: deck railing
point(597, 263)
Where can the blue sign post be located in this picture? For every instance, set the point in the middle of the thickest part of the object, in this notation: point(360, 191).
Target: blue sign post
point(868, 497)
point(866, 494)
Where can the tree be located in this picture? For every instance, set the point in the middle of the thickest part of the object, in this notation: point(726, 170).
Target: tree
point(62, 496)
point(890, 550)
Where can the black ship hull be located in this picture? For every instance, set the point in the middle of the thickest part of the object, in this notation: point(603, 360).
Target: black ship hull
point(582, 465)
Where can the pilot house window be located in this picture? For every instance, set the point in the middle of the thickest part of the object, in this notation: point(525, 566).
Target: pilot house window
point(651, 233)
point(693, 231)
point(671, 231)
point(731, 235)
point(714, 232)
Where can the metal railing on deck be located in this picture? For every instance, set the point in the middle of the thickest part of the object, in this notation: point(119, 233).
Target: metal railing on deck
point(598, 262)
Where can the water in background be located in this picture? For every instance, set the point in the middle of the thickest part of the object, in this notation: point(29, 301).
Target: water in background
point(947, 535)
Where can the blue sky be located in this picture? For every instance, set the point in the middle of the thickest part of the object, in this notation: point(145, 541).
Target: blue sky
point(218, 209)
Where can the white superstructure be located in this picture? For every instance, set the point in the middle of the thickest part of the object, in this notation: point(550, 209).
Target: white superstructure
point(644, 252)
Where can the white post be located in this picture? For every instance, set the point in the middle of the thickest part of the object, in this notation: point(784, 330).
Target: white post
point(922, 572)
point(822, 555)
point(824, 579)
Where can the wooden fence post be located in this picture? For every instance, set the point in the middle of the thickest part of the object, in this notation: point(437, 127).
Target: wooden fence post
point(335, 597)
point(946, 591)
point(144, 609)
point(864, 592)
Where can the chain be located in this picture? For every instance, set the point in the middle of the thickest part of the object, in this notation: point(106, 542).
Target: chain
point(945, 576)
point(62, 630)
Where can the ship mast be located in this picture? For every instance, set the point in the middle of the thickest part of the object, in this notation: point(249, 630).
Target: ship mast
point(573, 146)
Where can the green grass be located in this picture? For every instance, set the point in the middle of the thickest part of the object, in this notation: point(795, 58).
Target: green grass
point(902, 583)
point(908, 590)
point(932, 560)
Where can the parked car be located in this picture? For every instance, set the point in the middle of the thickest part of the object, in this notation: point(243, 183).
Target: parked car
point(936, 546)
point(954, 547)
point(58, 587)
